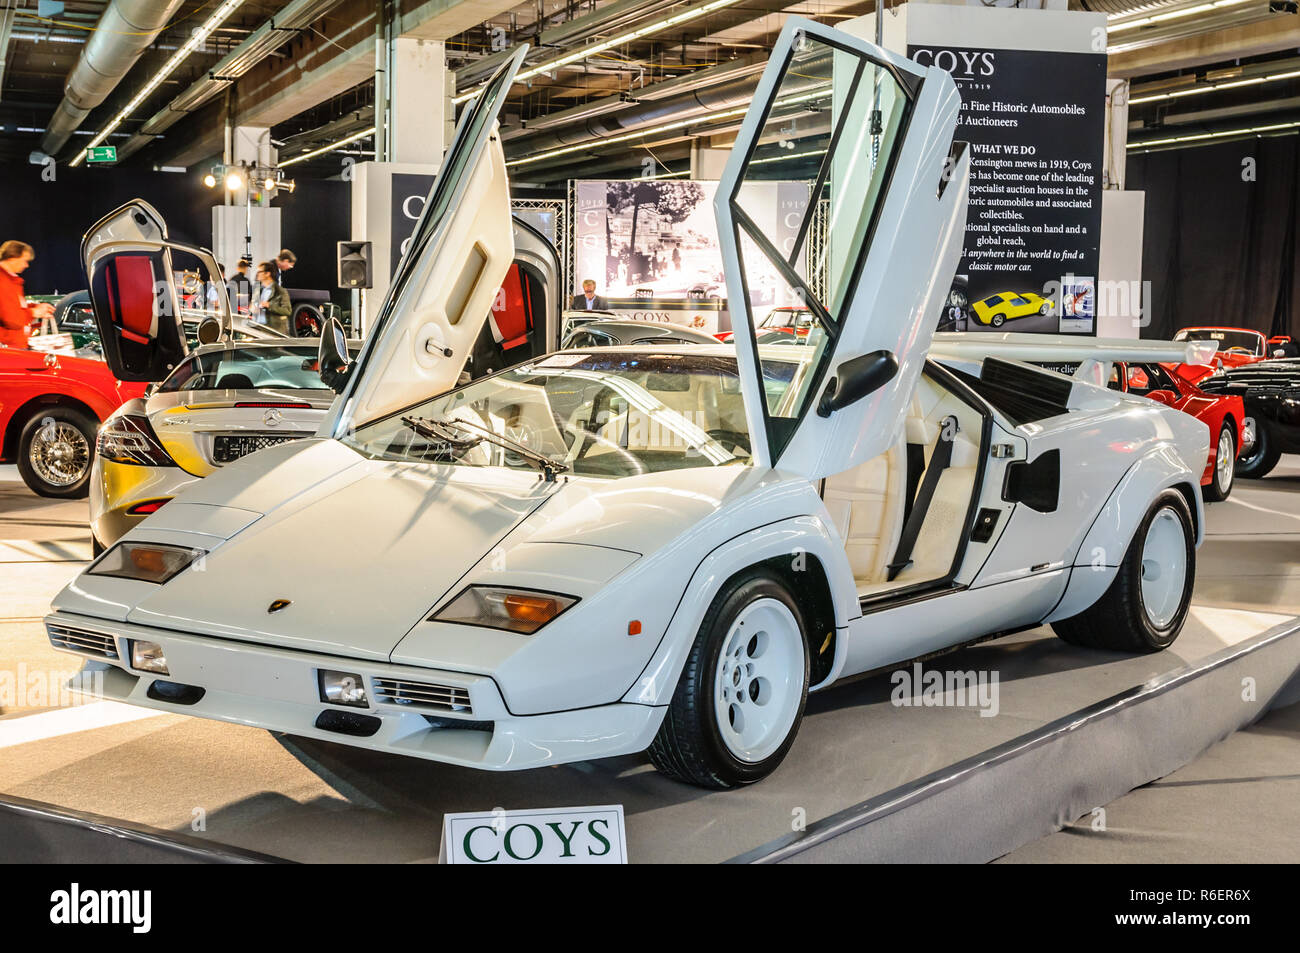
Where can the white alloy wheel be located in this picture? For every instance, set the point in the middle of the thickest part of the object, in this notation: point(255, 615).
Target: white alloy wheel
point(1164, 567)
point(1225, 460)
point(758, 686)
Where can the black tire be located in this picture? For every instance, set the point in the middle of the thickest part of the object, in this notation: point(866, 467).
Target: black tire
point(30, 469)
point(1118, 620)
point(1256, 463)
point(998, 320)
point(689, 747)
point(1215, 491)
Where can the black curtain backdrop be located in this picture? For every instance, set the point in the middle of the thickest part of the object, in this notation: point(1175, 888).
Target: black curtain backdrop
point(1219, 248)
point(52, 217)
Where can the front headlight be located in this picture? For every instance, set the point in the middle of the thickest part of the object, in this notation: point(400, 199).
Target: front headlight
point(497, 607)
point(148, 562)
point(148, 657)
point(129, 438)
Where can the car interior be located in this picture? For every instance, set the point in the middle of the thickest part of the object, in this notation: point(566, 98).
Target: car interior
point(880, 503)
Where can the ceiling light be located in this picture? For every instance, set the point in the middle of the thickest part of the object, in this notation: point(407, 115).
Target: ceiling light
point(692, 13)
point(196, 39)
point(330, 148)
point(1170, 15)
point(1212, 87)
point(210, 180)
point(1223, 134)
point(818, 93)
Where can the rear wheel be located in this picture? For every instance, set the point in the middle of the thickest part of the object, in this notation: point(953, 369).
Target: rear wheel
point(741, 697)
point(1225, 460)
point(54, 452)
point(998, 320)
point(1146, 604)
point(1258, 453)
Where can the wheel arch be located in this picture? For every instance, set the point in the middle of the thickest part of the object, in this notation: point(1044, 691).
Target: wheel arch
point(25, 412)
point(801, 551)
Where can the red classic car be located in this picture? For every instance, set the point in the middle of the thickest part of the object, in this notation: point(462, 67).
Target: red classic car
point(1224, 414)
point(50, 407)
point(1237, 346)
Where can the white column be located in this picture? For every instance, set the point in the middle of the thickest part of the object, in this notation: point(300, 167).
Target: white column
point(707, 162)
point(420, 107)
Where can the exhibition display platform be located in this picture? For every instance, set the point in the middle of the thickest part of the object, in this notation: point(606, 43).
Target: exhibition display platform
point(1068, 730)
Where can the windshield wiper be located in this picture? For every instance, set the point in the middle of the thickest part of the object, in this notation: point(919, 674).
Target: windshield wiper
point(445, 430)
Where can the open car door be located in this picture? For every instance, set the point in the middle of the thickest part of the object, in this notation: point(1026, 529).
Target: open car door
point(874, 276)
point(447, 281)
point(132, 281)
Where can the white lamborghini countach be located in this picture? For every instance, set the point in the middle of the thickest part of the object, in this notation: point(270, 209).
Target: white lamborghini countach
point(614, 550)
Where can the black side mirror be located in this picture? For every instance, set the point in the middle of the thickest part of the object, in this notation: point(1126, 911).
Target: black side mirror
point(855, 379)
point(209, 331)
point(335, 364)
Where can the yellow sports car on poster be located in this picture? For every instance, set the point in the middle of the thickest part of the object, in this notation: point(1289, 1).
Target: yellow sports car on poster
point(998, 308)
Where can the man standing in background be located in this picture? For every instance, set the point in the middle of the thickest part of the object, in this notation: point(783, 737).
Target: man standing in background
point(16, 315)
point(589, 300)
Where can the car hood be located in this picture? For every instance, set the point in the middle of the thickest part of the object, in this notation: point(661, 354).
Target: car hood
point(363, 550)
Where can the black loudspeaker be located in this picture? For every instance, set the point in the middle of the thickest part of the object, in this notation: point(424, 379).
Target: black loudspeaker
point(354, 265)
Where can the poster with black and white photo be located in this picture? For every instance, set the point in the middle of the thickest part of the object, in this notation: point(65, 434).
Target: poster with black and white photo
point(1034, 120)
point(651, 245)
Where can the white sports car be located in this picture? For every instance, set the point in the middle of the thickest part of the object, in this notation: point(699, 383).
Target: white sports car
point(606, 551)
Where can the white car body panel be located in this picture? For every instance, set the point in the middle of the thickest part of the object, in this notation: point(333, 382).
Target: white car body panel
point(393, 538)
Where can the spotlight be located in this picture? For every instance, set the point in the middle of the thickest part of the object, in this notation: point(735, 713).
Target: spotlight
point(269, 184)
point(210, 180)
point(234, 182)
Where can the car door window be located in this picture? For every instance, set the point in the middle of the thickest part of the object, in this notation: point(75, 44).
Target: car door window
point(847, 169)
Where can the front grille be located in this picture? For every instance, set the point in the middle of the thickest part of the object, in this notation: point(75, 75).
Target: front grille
point(423, 695)
point(228, 447)
point(79, 640)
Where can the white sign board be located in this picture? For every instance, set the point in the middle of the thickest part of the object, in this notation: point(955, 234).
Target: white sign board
point(561, 835)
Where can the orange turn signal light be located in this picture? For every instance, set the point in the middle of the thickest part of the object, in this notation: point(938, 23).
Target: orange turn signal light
point(149, 560)
point(634, 627)
point(536, 609)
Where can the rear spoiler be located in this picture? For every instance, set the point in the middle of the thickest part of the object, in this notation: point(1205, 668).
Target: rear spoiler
point(1095, 356)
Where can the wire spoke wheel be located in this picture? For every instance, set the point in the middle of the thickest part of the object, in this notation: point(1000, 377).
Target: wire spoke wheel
point(59, 453)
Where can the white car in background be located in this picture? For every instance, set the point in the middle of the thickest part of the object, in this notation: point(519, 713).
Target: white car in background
point(608, 551)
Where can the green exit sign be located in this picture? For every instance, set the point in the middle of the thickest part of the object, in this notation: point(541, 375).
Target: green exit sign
point(101, 154)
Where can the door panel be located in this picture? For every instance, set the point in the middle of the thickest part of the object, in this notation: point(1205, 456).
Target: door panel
point(448, 278)
point(131, 277)
point(894, 191)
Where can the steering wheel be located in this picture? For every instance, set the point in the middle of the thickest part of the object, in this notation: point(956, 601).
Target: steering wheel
point(731, 440)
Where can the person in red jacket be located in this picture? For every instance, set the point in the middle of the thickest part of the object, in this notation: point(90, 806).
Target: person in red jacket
point(16, 316)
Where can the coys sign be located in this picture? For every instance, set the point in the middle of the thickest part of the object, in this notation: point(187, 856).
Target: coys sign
point(562, 835)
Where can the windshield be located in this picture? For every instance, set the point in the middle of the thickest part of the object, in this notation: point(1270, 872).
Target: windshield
point(246, 369)
point(799, 318)
point(1247, 341)
point(601, 414)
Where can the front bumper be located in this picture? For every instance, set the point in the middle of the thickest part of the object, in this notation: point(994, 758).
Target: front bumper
point(116, 487)
point(277, 689)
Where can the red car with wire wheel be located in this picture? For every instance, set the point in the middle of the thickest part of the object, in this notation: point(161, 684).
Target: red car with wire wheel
point(1224, 414)
point(51, 405)
point(787, 319)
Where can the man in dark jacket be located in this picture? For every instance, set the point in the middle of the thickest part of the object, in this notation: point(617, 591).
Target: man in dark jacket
point(589, 300)
point(271, 307)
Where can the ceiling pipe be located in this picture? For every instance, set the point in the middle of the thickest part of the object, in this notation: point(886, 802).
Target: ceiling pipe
point(125, 30)
point(270, 36)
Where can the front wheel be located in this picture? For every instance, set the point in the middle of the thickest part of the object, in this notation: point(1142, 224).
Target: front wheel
point(54, 453)
point(741, 697)
point(1225, 459)
point(1258, 453)
point(1146, 604)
